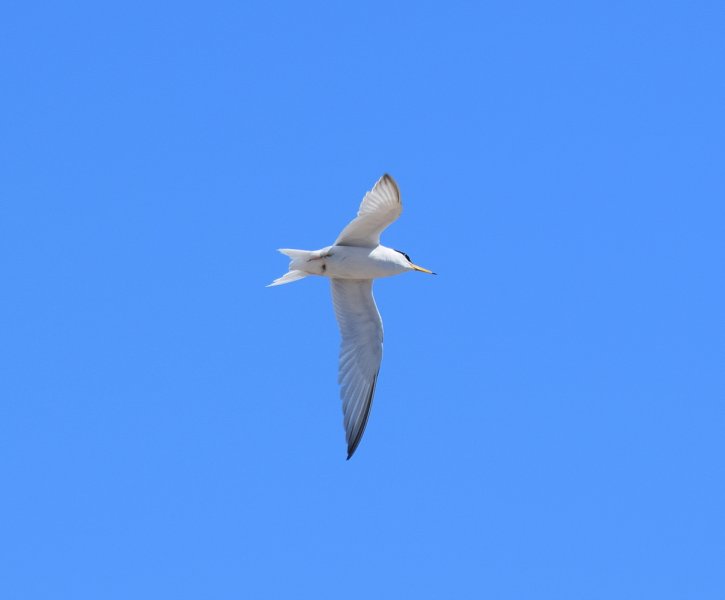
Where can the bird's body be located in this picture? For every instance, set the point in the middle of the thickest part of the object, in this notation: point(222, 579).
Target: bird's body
point(351, 263)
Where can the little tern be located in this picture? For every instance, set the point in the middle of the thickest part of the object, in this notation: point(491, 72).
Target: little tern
point(351, 263)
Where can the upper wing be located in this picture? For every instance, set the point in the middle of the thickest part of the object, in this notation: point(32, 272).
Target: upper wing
point(361, 352)
point(379, 208)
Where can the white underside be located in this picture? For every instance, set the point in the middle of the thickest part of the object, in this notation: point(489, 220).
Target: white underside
point(347, 262)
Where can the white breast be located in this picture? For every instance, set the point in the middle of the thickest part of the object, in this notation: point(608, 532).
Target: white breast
point(348, 262)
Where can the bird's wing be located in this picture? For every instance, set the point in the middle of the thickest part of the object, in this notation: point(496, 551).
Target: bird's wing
point(361, 352)
point(379, 208)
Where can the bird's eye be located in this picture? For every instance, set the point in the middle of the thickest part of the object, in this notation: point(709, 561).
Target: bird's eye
point(404, 254)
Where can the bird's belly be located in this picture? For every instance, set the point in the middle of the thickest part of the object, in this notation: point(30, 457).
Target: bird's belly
point(346, 262)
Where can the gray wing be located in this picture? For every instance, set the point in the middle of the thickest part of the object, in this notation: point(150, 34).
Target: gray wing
point(361, 352)
point(378, 209)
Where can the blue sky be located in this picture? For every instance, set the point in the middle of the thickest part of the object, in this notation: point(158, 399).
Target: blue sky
point(549, 415)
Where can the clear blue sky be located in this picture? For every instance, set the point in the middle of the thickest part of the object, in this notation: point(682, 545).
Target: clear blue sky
point(549, 420)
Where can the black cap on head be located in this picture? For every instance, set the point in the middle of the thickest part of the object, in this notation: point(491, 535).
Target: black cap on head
point(404, 254)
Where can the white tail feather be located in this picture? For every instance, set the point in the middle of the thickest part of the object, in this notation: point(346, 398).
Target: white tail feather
point(298, 258)
point(295, 254)
point(288, 278)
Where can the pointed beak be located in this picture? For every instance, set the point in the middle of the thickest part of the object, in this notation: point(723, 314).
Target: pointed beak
point(422, 270)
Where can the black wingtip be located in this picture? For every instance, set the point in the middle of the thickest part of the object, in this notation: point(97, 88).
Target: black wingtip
point(356, 442)
point(389, 178)
point(352, 446)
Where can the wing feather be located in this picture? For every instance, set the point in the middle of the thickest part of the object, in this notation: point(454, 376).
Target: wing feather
point(361, 352)
point(378, 209)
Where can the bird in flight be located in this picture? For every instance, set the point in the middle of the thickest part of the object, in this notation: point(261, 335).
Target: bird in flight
point(351, 263)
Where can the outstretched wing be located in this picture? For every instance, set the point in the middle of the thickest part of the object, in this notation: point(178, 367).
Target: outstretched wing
point(361, 352)
point(379, 208)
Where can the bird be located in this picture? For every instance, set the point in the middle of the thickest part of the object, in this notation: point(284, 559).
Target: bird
point(351, 264)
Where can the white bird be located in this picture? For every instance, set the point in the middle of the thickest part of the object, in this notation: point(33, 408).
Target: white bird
point(352, 262)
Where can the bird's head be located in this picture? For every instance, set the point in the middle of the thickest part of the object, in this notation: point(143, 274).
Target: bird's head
point(412, 266)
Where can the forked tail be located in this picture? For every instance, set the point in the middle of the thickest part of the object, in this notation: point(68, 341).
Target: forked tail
point(299, 258)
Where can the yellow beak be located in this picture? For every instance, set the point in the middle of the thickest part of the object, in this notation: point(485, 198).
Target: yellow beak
point(422, 270)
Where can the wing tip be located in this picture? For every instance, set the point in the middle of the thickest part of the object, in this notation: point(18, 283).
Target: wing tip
point(352, 446)
point(351, 449)
point(388, 178)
